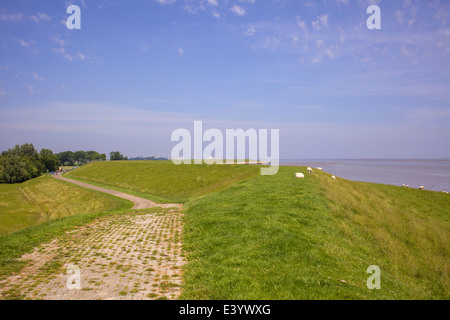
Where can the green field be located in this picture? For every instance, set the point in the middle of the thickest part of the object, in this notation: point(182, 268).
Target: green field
point(45, 198)
point(249, 236)
point(162, 181)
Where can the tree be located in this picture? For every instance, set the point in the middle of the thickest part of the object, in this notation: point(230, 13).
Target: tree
point(79, 157)
point(49, 160)
point(14, 168)
point(21, 163)
point(116, 156)
point(92, 156)
point(66, 158)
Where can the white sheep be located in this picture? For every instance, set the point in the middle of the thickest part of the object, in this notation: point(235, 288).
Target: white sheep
point(310, 170)
point(421, 188)
point(333, 177)
point(299, 175)
point(318, 168)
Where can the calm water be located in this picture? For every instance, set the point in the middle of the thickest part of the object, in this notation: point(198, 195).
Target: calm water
point(432, 174)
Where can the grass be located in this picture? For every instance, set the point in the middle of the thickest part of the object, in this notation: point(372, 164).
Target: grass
point(258, 237)
point(45, 198)
point(162, 181)
point(278, 237)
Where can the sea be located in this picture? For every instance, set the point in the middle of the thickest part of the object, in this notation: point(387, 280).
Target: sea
point(432, 174)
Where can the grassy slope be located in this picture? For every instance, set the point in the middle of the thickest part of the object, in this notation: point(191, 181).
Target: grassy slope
point(45, 198)
point(280, 237)
point(162, 181)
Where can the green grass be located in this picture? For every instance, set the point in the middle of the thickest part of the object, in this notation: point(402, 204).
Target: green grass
point(162, 181)
point(45, 198)
point(278, 237)
point(248, 236)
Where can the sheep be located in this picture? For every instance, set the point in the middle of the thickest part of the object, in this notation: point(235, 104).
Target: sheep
point(299, 175)
point(333, 177)
point(421, 188)
point(310, 170)
point(319, 168)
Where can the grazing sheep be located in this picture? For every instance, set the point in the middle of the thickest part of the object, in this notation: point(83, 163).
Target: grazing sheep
point(299, 175)
point(333, 177)
point(318, 168)
point(421, 188)
point(407, 186)
point(310, 170)
point(403, 185)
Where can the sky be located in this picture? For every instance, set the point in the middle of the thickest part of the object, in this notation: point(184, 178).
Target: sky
point(139, 69)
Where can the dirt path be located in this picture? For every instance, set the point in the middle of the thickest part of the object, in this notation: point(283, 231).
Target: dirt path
point(130, 256)
point(139, 203)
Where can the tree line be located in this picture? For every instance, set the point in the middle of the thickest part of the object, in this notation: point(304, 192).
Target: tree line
point(24, 162)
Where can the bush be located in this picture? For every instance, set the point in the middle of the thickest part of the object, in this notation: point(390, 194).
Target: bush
point(21, 164)
point(15, 169)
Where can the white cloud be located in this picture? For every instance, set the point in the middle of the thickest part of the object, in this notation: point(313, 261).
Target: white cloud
point(166, 1)
point(40, 17)
point(324, 20)
point(238, 10)
point(213, 2)
point(180, 51)
point(250, 31)
point(302, 25)
point(24, 43)
point(11, 17)
point(37, 77)
point(30, 88)
point(81, 56)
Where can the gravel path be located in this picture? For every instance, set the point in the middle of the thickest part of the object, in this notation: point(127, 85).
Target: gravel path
point(131, 256)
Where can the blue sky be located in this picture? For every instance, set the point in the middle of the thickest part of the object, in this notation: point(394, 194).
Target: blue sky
point(137, 70)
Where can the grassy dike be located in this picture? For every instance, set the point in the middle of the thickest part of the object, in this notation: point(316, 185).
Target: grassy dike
point(279, 237)
point(248, 236)
point(162, 181)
